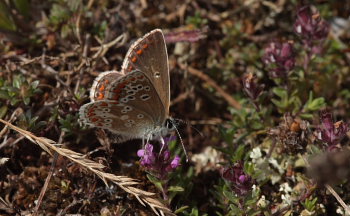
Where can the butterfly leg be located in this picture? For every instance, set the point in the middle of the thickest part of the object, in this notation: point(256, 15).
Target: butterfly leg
point(163, 144)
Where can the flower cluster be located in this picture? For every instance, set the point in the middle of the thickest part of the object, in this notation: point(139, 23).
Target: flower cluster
point(159, 164)
point(329, 132)
point(310, 25)
point(241, 182)
point(313, 30)
point(280, 58)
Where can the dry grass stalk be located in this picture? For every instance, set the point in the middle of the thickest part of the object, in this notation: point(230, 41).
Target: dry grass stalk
point(123, 182)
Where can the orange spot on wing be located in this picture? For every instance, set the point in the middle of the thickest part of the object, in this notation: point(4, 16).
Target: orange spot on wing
point(91, 111)
point(95, 119)
point(104, 104)
point(134, 59)
point(145, 46)
point(100, 96)
point(102, 88)
point(139, 52)
point(130, 68)
point(106, 81)
point(99, 124)
point(91, 114)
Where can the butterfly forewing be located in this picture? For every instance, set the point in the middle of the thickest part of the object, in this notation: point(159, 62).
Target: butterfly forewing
point(136, 89)
point(117, 117)
point(149, 55)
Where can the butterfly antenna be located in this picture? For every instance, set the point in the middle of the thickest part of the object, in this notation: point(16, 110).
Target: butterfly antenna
point(187, 123)
point(182, 143)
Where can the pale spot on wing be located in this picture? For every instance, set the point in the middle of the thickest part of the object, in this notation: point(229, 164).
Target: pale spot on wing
point(124, 117)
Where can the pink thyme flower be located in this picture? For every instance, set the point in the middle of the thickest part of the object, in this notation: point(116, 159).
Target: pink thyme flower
point(241, 182)
point(159, 164)
point(329, 132)
point(310, 25)
point(279, 57)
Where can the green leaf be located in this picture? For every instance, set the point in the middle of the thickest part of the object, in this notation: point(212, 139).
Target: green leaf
point(238, 155)
point(230, 196)
point(316, 104)
point(6, 21)
point(3, 111)
point(306, 116)
point(35, 84)
point(14, 101)
point(181, 209)
point(194, 212)
point(155, 181)
point(4, 95)
point(22, 6)
point(17, 82)
point(280, 92)
point(176, 188)
point(58, 14)
point(278, 103)
point(26, 100)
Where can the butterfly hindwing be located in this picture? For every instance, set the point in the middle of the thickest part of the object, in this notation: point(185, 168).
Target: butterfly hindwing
point(149, 55)
point(117, 117)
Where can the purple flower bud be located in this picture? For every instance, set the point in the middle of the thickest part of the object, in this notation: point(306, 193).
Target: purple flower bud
point(176, 162)
point(189, 36)
point(329, 132)
point(242, 178)
point(250, 86)
point(141, 152)
point(280, 58)
point(241, 182)
point(310, 25)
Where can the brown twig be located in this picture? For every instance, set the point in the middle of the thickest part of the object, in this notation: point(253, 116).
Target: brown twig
point(230, 100)
point(337, 197)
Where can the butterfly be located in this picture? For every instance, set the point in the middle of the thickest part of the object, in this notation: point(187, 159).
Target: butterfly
point(134, 103)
